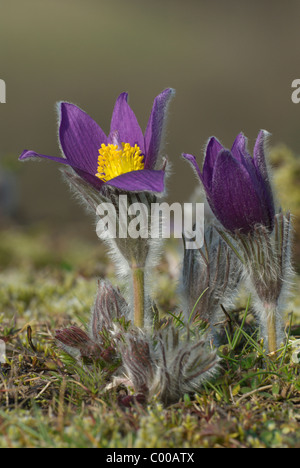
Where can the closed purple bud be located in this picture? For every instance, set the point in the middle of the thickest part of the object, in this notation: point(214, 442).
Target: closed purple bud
point(237, 186)
point(72, 336)
point(77, 343)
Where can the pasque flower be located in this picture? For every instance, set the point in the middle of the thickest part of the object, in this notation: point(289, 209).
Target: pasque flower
point(239, 192)
point(100, 168)
point(125, 159)
point(237, 185)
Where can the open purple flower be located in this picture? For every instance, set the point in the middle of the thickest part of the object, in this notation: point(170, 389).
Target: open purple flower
point(237, 186)
point(125, 159)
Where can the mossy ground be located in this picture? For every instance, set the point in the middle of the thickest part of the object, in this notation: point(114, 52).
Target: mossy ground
point(49, 281)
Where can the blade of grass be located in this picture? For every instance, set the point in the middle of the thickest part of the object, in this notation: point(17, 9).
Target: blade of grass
point(238, 333)
point(223, 235)
point(255, 345)
point(177, 319)
point(255, 374)
point(199, 298)
point(228, 337)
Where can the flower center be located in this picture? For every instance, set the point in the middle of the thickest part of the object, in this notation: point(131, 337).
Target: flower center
point(114, 161)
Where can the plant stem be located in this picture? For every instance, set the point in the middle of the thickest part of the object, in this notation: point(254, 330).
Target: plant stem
point(271, 329)
point(138, 277)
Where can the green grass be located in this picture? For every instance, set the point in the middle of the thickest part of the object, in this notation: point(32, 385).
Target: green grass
point(46, 400)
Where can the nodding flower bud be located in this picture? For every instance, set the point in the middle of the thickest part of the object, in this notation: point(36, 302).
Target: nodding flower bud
point(210, 277)
point(108, 307)
point(138, 361)
point(237, 185)
point(185, 363)
point(75, 342)
point(169, 364)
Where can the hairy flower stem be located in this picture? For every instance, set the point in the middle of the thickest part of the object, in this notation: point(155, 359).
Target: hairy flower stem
point(271, 328)
point(266, 257)
point(138, 277)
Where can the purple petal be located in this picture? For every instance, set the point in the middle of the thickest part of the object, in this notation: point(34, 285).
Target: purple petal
point(256, 167)
point(125, 122)
point(80, 138)
point(115, 139)
point(91, 179)
point(192, 160)
point(240, 153)
point(212, 150)
point(27, 154)
point(259, 153)
point(234, 198)
point(239, 148)
point(139, 181)
point(155, 127)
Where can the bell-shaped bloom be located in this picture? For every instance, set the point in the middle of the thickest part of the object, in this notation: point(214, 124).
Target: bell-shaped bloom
point(125, 159)
point(237, 185)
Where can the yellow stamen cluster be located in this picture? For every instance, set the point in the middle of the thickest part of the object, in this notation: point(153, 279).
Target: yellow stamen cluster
point(113, 161)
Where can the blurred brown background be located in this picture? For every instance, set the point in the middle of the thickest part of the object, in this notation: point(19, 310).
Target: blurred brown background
point(231, 62)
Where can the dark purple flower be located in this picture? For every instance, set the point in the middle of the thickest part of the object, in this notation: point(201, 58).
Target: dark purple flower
point(237, 186)
point(125, 159)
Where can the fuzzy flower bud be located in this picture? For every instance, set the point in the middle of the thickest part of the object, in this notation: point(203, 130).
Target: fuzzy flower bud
point(210, 277)
point(138, 361)
point(169, 364)
point(99, 342)
point(237, 185)
point(109, 306)
point(78, 344)
point(184, 364)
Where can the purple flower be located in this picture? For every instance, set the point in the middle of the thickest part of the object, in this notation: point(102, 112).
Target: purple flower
point(125, 159)
point(237, 186)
